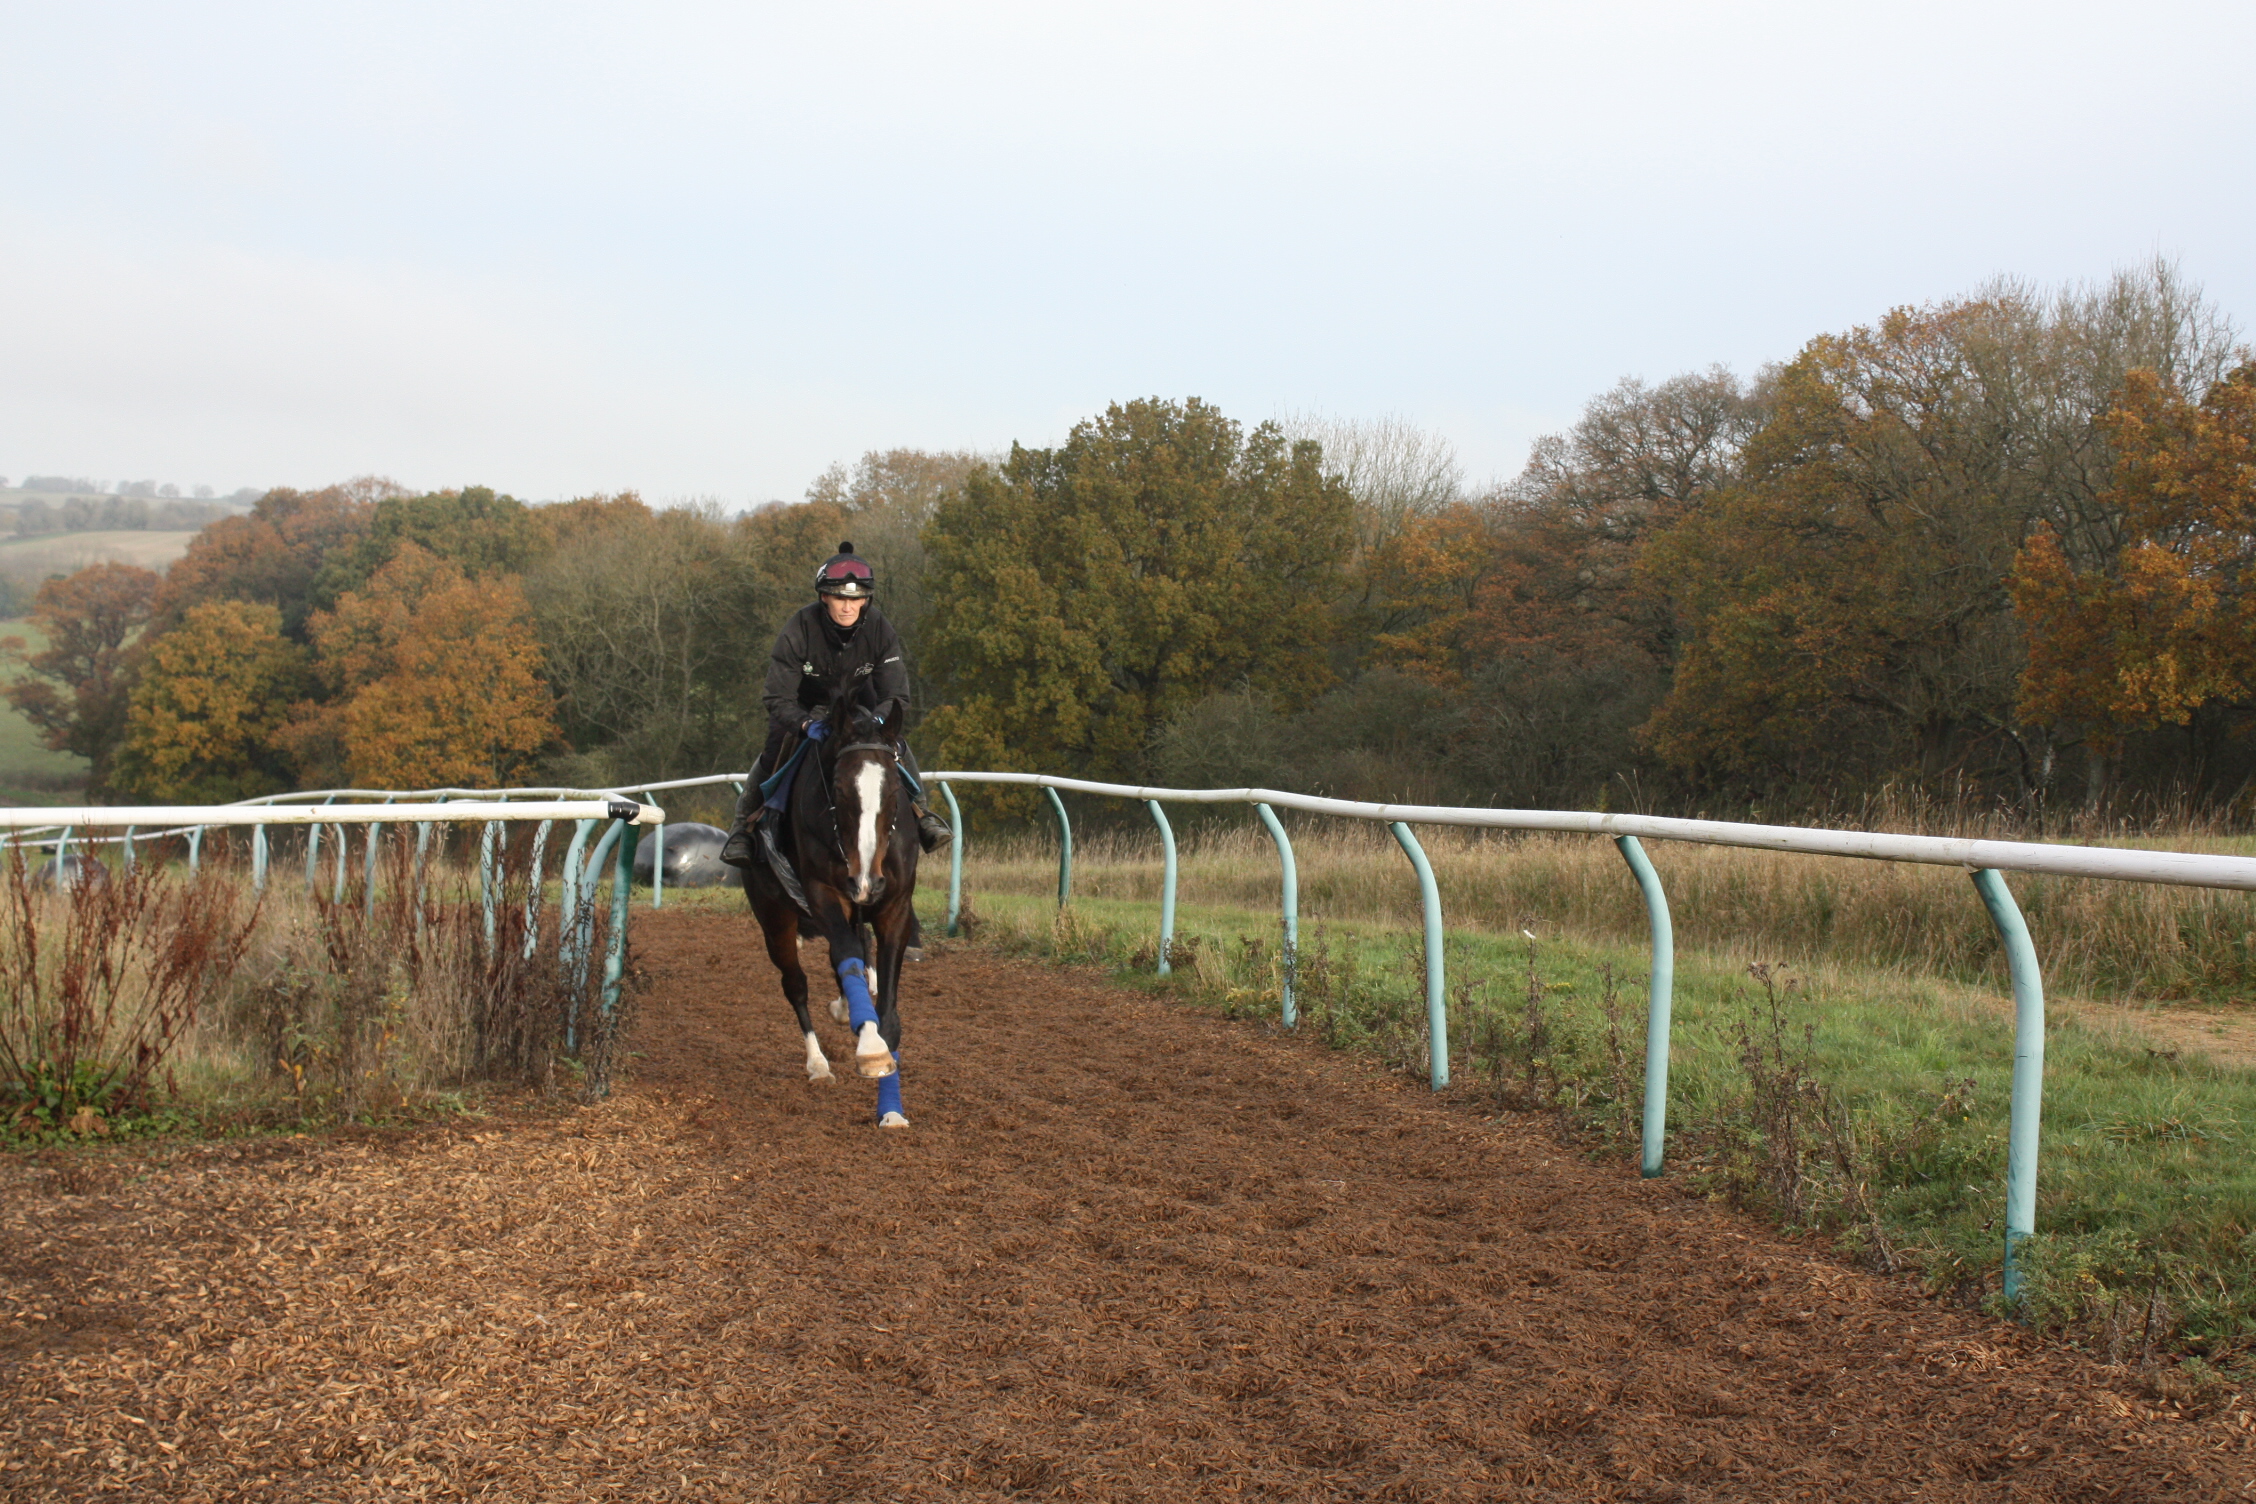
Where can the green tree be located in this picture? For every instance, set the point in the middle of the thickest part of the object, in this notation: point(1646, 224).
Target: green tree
point(1082, 596)
point(481, 532)
point(207, 705)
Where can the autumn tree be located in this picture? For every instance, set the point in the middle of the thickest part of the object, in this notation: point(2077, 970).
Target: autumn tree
point(1082, 595)
point(75, 690)
point(1841, 608)
point(208, 704)
point(2167, 628)
point(273, 554)
point(433, 679)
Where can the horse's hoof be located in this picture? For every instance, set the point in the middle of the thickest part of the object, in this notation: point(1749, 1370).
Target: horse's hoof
point(872, 1057)
point(819, 1070)
point(838, 1009)
point(892, 1120)
point(913, 953)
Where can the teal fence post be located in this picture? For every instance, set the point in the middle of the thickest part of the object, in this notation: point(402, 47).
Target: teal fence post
point(657, 858)
point(533, 888)
point(1291, 905)
point(1660, 991)
point(258, 859)
point(344, 853)
point(62, 851)
point(1166, 885)
point(195, 848)
point(2028, 1068)
point(1065, 847)
point(129, 848)
point(568, 925)
point(368, 873)
point(313, 852)
point(615, 955)
point(487, 877)
point(955, 858)
point(1437, 995)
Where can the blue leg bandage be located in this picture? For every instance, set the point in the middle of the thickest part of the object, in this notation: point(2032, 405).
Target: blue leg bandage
point(853, 980)
point(889, 1092)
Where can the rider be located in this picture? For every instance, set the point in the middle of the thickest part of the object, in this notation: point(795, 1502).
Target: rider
point(822, 646)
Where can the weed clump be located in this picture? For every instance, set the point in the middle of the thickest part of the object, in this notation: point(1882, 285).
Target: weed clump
point(99, 982)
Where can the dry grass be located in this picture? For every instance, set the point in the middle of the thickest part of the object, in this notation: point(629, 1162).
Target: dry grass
point(2099, 939)
point(329, 1006)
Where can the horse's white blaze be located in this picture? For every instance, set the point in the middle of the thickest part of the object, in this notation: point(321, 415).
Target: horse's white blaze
point(818, 1067)
point(869, 784)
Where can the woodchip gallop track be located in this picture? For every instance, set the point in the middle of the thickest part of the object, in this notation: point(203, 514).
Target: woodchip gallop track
point(1127, 1252)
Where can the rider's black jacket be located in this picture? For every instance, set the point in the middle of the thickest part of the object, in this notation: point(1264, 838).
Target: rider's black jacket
point(813, 656)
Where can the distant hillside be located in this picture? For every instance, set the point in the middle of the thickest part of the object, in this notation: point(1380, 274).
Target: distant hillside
point(34, 559)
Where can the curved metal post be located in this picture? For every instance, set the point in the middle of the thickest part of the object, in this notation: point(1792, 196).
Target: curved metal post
point(2028, 1067)
point(422, 847)
point(1290, 903)
point(533, 889)
point(591, 879)
point(1437, 995)
point(487, 877)
point(1660, 990)
point(195, 848)
point(657, 858)
point(258, 859)
point(344, 850)
point(1065, 847)
point(568, 924)
point(62, 850)
point(1166, 885)
point(313, 852)
point(368, 875)
point(622, 894)
point(129, 848)
point(955, 858)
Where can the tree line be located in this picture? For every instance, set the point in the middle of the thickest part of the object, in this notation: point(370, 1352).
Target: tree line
point(2003, 547)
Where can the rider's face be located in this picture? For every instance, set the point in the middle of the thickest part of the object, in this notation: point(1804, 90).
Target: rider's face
point(845, 610)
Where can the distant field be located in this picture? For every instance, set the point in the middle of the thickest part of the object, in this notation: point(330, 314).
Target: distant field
point(29, 772)
point(61, 553)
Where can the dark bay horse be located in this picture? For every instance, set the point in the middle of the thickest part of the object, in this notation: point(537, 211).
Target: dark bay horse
point(850, 835)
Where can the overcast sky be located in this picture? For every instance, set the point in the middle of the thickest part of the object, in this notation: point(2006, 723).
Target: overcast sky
point(707, 250)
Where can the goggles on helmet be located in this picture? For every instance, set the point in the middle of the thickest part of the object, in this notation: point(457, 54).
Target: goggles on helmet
point(845, 575)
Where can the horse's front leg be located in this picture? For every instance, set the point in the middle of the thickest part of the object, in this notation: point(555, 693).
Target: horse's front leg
point(895, 927)
point(779, 922)
point(873, 1057)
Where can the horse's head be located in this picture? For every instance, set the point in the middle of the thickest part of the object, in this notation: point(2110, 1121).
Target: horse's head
point(865, 784)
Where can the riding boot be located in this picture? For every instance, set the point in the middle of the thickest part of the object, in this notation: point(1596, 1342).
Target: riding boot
point(737, 851)
point(932, 831)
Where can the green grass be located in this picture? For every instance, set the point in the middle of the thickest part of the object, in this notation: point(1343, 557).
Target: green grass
point(1862, 1077)
point(29, 772)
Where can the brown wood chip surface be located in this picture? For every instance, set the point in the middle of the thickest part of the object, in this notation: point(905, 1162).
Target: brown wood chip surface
point(1125, 1252)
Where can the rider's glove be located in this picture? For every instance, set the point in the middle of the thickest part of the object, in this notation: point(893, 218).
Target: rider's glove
point(816, 730)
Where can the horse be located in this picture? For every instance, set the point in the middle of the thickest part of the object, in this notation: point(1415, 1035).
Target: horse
point(852, 839)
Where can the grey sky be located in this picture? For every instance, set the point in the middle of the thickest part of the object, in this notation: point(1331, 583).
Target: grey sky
point(706, 250)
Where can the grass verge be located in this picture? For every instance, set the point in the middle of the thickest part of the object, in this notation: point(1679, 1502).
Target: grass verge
point(1862, 1105)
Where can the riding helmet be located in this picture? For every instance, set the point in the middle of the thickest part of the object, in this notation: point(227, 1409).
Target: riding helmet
point(846, 573)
